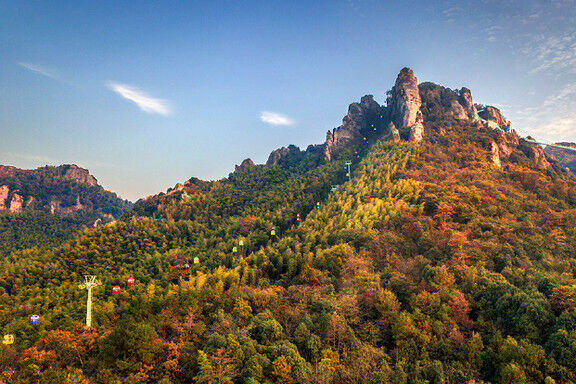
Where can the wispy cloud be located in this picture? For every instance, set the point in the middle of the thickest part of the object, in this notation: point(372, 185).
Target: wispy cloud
point(145, 102)
point(274, 118)
point(556, 52)
point(38, 69)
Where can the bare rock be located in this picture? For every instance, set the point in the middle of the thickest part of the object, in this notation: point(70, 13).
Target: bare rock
point(492, 116)
point(4, 192)
point(465, 100)
point(417, 129)
point(81, 175)
point(495, 156)
point(245, 165)
point(404, 105)
point(358, 117)
point(16, 203)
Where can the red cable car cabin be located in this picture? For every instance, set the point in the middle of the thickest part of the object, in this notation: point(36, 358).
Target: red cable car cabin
point(116, 289)
point(186, 267)
point(131, 281)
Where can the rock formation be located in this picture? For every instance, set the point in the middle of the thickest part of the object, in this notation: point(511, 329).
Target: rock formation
point(465, 100)
point(493, 116)
point(81, 175)
point(16, 203)
point(245, 165)
point(404, 106)
point(4, 192)
point(359, 117)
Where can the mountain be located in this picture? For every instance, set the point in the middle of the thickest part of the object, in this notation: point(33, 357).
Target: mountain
point(444, 256)
point(49, 204)
point(565, 157)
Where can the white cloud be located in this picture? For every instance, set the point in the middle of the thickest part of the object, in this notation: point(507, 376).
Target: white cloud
point(38, 69)
point(146, 103)
point(556, 52)
point(274, 118)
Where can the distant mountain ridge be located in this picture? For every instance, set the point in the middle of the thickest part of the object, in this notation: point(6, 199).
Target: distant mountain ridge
point(49, 204)
point(565, 157)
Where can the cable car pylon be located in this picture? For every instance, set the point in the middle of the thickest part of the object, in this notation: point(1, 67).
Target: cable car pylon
point(348, 164)
point(89, 283)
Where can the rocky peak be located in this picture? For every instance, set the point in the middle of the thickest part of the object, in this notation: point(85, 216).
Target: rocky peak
point(245, 165)
point(465, 100)
point(359, 116)
point(492, 116)
point(8, 171)
point(404, 106)
point(81, 175)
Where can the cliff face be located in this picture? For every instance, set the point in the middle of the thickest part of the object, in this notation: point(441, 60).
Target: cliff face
point(404, 106)
point(359, 118)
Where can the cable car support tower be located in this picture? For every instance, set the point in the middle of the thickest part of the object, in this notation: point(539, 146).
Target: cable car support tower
point(89, 283)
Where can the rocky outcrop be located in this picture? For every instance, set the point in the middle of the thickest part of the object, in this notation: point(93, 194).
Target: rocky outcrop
point(245, 165)
point(81, 175)
point(359, 117)
point(535, 153)
point(492, 116)
point(404, 105)
point(16, 203)
point(4, 192)
point(495, 154)
point(276, 155)
point(465, 100)
point(391, 133)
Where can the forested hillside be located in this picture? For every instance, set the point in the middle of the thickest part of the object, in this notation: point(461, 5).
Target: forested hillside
point(444, 259)
point(47, 205)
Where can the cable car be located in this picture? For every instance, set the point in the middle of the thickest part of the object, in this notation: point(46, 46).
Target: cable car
point(318, 205)
point(234, 249)
point(273, 231)
point(196, 260)
point(241, 243)
point(34, 319)
point(297, 217)
point(116, 289)
point(355, 152)
point(131, 281)
point(186, 267)
point(8, 339)
point(358, 156)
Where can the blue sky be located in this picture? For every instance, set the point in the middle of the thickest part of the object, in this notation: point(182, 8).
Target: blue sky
point(150, 93)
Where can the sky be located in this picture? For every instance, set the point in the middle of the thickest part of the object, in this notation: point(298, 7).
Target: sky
point(146, 94)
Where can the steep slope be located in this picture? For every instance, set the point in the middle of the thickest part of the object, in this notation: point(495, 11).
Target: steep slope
point(445, 259)
point(566, 158)
point(49, 204)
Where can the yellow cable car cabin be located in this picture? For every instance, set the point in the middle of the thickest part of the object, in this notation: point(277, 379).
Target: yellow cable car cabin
point(8, 339)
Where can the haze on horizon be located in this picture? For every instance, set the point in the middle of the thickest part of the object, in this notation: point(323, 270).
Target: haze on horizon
point(149, 94)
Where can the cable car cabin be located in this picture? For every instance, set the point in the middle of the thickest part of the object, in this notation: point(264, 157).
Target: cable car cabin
point(241, 243)
point(34, 319)
point(186, 267)
point(131, 281)
point(116, 289)
point(318, 205)
point(196, 260)
point(298, 217)
point(273, 232)
point(234, 249)
point(8, 339)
